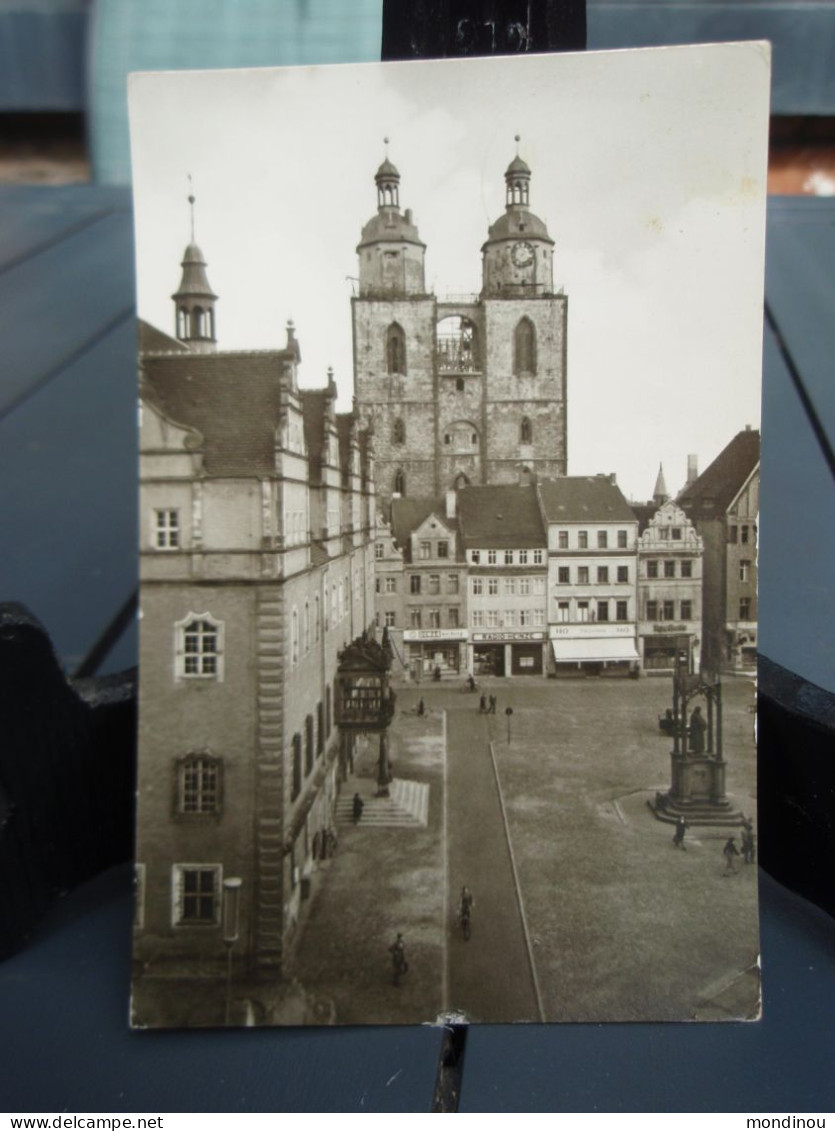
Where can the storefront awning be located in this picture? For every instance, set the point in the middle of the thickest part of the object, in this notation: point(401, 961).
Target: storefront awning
point(594, 649)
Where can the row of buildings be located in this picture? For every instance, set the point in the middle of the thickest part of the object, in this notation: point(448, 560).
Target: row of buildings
point(565, 577)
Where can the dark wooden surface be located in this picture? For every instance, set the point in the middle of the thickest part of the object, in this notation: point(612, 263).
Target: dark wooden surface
point(67, 504)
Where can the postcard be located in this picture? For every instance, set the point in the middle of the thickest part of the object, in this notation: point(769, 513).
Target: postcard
point(449, 382)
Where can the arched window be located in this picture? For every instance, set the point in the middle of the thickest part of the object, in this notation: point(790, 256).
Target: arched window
point(525, 431)
point(398, 432)
point(182, 322)
point(524, 347)
point(395, 349)
point(400, 482)
point(198, 316)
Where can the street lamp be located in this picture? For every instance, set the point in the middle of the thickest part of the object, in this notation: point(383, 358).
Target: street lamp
point(231, 913)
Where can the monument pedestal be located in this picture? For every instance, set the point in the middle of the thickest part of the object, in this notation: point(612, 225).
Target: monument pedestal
point(697, 792)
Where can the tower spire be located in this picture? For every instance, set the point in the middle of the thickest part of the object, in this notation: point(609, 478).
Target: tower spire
point(660, 495)
point(194, 299)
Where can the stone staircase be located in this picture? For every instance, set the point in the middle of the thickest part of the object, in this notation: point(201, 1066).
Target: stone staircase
point(407, 807)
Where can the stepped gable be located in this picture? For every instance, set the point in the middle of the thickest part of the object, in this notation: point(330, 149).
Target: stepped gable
point(232, 399)
point(584, 498)
point(718, 485)
point(501, 516)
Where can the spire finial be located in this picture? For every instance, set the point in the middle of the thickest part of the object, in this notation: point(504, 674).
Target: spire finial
point(517, 138)
point(191, 204)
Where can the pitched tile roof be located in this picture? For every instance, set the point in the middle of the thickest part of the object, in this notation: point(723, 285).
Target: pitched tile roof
point(408, 513)
point(152, 340)
point(501, 516)
point(718, 485)
point(232, 399)
point(584, 498)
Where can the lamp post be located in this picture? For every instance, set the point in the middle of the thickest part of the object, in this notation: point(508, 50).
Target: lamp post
point(231, 913)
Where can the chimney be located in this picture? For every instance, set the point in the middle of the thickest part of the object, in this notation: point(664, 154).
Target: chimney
point(450, 504)
point(613, 478)
point(408, 215)
point(692, 469)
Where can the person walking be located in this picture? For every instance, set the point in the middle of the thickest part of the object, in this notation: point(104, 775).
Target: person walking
point(730, 851)
point(747, 842)
point(357, 807)
point(399, 965)
point(492, 708)
point(681, 829)
point(482, 705)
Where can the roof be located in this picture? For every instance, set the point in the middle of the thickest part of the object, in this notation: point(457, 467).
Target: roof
point(518, 223)
point(517, 165)
point(407, 514)
point(386, 170)
point(152, 340)
point(644, 513)
point(719, 484)
point(232, 399)
point(584, 498)
point(314, 403)
point(502, 516)
point(389, 227)
point(194, 281)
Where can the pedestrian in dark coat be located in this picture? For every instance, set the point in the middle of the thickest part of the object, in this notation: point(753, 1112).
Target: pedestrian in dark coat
point(681, 829)
point(482, 705)
point(397, 950)
point(748, 843)
point(421, 707)
point(730, 851)
point(492, 709)
point(357, 808)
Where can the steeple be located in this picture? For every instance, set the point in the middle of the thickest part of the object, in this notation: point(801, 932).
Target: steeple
point(660, 495)
point(517, 257)
point(194, 299)
point(390, 250)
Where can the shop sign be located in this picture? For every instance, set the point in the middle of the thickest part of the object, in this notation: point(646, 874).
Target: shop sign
point(434, 634)
point(679, 628)
point(509, 637)
point(606, 628)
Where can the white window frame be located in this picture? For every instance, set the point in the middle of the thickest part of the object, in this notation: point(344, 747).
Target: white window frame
point(166, 532)
point(180, 654)
point(178, 872)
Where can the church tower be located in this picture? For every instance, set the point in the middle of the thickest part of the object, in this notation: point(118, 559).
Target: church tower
point(525, 336)
point(394, 345)
point(194, 299)
point(467, 388)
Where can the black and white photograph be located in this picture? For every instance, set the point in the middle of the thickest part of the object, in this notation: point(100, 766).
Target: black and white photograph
point(449, 385)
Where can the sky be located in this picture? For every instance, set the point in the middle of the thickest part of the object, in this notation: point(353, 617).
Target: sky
point(647, 166)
